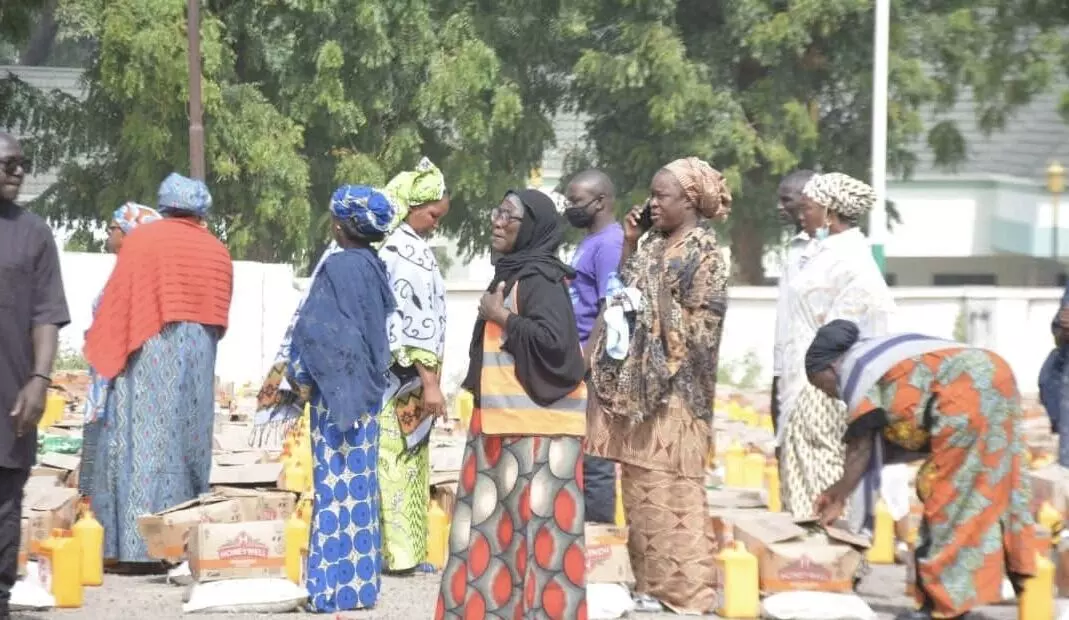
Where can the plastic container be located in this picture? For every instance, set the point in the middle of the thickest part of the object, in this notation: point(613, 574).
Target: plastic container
point(55, 404)
point(296, 476)
point(60, 566)
point(740, 598)
point(620, 518)
point(296, 534)
point(1049, 517)
point(302, 452)
point(734, 464)
point(1037, 600)
point(465, 407)
point(90, 536)
point(438, 536)
point(882, 550)
point(753, 470)
point(775, 503)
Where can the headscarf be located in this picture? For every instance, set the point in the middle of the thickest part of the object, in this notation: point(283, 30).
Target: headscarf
point(131, 215)
point(702, 184)
point(370, 210)
point(831, 342)
point(841, 194)
point(182, 194)
point(545, 369)
point(416, 187)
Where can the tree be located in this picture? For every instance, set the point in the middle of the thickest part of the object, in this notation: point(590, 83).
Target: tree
point(300, 96)
point(760, 87)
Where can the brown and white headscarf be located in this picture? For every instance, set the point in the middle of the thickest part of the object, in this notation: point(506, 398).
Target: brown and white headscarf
point(841, 194)
point(702, 184)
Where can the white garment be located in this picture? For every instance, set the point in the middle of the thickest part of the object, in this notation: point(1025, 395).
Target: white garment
point(894, 489)
point(790, 262)
point(617, 330)
point(419, 292)
point(837, 278)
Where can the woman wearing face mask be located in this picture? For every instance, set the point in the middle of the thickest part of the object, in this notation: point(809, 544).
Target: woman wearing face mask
point(838, 279)
point(516, 547)
point(657, 394)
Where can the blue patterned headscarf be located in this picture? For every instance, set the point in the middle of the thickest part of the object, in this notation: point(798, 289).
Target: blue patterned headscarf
point(370, 210)
point(179, 193)
point(131, 215)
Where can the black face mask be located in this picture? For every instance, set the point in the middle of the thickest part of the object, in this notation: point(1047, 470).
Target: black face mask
point(580, 216)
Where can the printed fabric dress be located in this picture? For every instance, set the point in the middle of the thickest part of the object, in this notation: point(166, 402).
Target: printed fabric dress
point(963, 407)
point(155, 437)
point(662, 449)
point(417, 335)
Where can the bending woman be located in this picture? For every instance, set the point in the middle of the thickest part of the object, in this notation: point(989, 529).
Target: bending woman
point(417, 347)
point(125, 219)
point(516, 547)
point(339, 356)
point(837, 279)
point(154, 337)
point(960, 405)
point(657, 394)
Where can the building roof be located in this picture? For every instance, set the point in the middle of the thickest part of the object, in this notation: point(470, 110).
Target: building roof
point(1033, 137)
point(66, 80)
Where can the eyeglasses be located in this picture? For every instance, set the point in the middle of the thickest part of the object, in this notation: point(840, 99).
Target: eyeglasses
point(503, 215)
point(11, 165)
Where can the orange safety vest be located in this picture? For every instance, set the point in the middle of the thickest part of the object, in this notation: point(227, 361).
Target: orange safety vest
point(504, 405)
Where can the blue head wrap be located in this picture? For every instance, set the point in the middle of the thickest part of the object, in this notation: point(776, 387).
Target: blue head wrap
point(131, 215)
point(370, 210)
point(179, 193)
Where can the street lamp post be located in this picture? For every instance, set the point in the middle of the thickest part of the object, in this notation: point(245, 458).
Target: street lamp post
point(196, 109)
point(1055, 185)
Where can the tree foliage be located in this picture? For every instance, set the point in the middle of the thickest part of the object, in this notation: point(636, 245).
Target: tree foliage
point(303, 95)
point(760, 87)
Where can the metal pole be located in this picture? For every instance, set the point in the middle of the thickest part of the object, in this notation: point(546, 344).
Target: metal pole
point(881, 44)
point(1054, 228)
point(196, 110)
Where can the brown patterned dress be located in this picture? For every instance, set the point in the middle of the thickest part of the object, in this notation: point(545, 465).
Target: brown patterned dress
point(654, 415)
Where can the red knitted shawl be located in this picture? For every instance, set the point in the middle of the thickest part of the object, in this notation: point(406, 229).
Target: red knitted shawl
point(171, 271)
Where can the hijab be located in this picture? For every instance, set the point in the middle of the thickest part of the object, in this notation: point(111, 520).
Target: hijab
point(548, 367)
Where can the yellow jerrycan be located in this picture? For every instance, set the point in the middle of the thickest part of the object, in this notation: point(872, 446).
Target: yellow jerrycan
point(740, 597)
point(303, 453)
point(438, 536)
point(296, 534)
point(60, 563)
point(1037, 600)
point(89, 534)
point(734, 464)
point(882, 550)
point(619, 516)
point(296, 476)
point(1049, 517)
point(54, 406)
point(753, 470)
point(775, 503)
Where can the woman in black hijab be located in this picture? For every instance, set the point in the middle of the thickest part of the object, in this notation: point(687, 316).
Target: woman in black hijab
point(520, 496)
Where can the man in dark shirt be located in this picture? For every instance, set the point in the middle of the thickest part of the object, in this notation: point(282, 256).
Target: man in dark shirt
point(32, 310)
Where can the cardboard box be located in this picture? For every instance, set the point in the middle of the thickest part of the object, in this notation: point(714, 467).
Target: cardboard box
point(251, 549)
point(24, 545)
point(607, 560)
point(791, 557)
point(47, 508)
point(261, 505)
point(167, 532)
point(257, 475)
point(1050, 484)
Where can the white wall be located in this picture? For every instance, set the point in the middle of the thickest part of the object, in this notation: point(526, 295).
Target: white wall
point(1013, 321)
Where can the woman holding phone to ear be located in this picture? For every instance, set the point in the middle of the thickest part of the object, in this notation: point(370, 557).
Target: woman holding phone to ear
point(656, 391)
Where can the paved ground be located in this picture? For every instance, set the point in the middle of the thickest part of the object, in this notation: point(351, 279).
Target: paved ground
point(131, 598)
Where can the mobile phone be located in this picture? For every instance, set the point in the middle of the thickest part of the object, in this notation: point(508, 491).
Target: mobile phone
point(645, 220)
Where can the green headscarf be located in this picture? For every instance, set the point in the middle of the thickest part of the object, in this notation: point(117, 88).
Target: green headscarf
point(415, 187)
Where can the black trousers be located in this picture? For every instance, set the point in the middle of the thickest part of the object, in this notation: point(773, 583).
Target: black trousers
point(599, 489)
point(11, 483)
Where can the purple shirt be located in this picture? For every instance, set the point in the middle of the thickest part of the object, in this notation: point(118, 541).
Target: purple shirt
point(595, 263)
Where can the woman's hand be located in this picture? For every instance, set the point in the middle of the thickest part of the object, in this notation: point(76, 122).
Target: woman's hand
point(492, 306)
point(632, 231)
point(433, 400)
point(830, 505)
